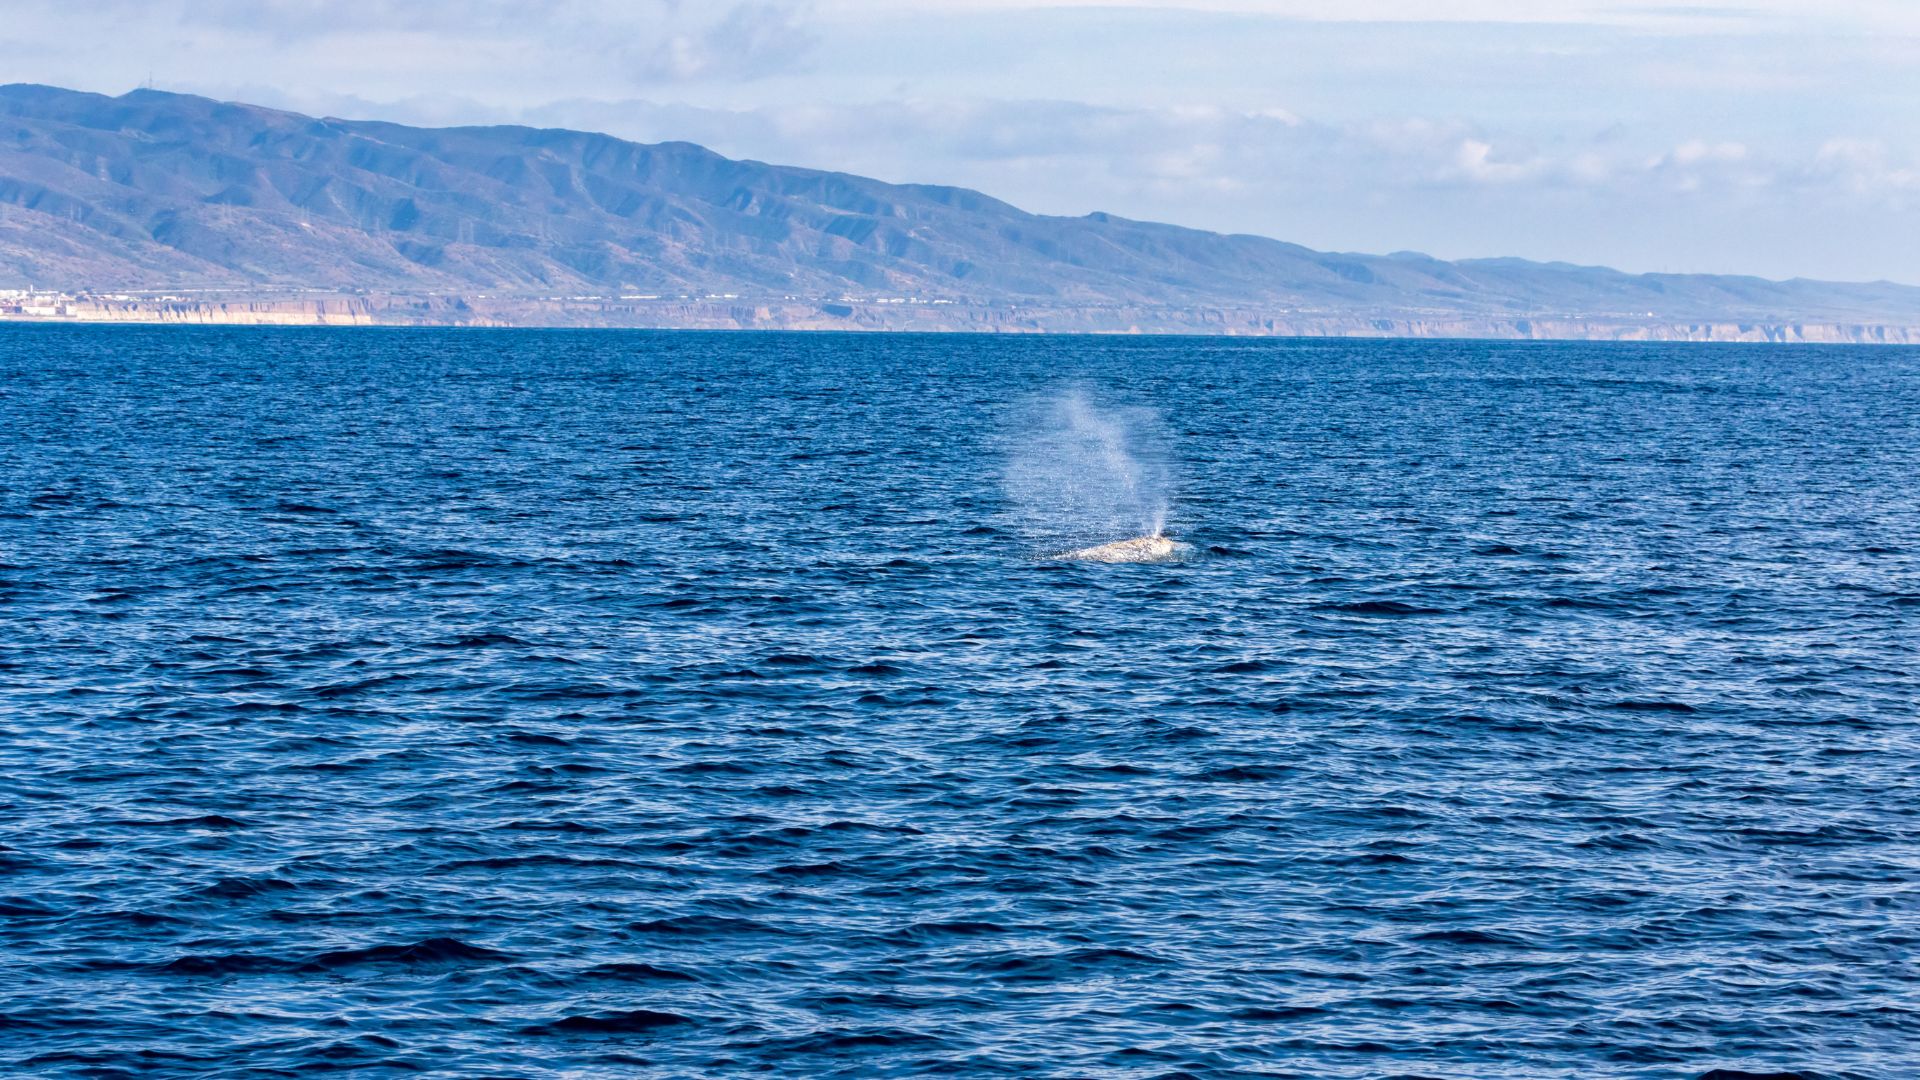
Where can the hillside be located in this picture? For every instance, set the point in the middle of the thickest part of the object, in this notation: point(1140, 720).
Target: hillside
point(153, 190)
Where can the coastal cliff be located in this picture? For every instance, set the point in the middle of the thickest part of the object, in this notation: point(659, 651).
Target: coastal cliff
point(390, 310)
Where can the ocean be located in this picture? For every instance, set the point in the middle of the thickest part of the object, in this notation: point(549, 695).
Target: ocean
point(583, 704)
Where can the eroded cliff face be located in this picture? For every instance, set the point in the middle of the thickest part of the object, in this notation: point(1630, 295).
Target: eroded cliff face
point(223, 313)
point(402, 310)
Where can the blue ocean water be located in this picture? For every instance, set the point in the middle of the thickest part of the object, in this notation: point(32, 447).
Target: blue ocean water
point(623, 704)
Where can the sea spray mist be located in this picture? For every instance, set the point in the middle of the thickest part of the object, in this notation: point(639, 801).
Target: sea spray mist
point(1086, 471)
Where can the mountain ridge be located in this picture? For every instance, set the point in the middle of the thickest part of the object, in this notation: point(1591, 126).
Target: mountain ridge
point(156, 190)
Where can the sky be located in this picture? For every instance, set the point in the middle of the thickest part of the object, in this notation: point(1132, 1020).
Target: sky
point(1771, 137)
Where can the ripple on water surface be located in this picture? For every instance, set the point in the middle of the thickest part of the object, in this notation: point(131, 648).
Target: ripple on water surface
point(553, 704)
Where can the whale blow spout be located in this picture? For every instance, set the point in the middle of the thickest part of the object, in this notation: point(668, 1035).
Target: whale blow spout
point(1143, 549)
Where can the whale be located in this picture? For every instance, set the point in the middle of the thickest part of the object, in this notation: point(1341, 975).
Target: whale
point(1140, 549)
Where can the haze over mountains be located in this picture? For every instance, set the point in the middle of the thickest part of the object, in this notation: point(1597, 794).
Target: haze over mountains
point(152, 190)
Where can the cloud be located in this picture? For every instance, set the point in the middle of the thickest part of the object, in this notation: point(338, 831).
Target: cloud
point(1473, 161)
point(750, 41)
point(1864, 167)
point(1881, 15)
point(508, 44)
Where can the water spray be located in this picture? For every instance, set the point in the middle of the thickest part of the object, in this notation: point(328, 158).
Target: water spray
point(1091, 481)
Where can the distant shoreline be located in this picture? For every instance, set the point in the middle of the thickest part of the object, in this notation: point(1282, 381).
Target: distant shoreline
point(240, 215)
point(396, 310)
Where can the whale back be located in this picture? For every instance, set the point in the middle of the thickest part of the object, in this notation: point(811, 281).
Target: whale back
point(1142, 549)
